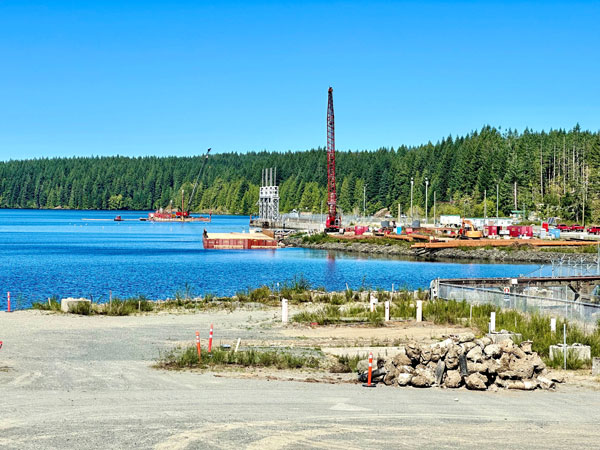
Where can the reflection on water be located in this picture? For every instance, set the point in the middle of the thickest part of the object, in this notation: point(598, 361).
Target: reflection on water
point(47, 253)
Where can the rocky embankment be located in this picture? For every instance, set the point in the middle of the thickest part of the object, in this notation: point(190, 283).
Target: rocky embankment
point(483, 254)
point(477, 364)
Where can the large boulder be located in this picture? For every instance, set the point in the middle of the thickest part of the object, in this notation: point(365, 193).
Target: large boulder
point(522, 367)
point(401, 358)
point(425, 354)
point(507, 346)
point(466, 337)
point(405, 369)
point(523, 385)
point(492, 366)
point(504, 362)
point(473, 367)
point(391, 374)
point(422, 378)
point(452, 379)
point(546, 383)
point(404, 379)
point(451, 359)
point(526, 346)
point(467, 346)
point(492, 351)
point(413, 351)
point(476, 381)
point(475, 354)
point(538, 364)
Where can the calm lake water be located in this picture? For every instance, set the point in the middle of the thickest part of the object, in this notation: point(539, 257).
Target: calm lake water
point(46, 253)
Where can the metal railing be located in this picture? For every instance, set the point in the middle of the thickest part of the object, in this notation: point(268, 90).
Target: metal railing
point(588, 313)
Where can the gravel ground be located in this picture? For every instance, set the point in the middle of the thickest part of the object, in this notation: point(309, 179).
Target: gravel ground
point(87, 382)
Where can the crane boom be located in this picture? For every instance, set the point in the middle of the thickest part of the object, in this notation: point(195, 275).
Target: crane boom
point(187, 210)
point(333, 221)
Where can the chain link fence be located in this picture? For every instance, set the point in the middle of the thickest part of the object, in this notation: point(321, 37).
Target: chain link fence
point(588, 313)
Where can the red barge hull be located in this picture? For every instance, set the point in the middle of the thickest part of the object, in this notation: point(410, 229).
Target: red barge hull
point(238, 241)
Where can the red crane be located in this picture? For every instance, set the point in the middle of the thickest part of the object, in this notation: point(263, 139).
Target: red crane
point(333, 221)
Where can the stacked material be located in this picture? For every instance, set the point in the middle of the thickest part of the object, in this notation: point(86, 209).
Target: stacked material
point(459, 361)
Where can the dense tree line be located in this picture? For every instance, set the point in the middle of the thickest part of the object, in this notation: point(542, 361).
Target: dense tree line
point(555, 173)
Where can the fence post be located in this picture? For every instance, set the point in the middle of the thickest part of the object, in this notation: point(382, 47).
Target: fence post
point(565, 344)
point(492, 322)
point(419, 310)
point(284, 310)
point(387, 311)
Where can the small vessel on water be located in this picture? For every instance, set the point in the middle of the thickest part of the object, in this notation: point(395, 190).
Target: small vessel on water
point(161, 215)
point(238, 241)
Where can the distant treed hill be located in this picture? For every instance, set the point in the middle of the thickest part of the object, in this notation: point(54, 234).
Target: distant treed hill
point(557, 174)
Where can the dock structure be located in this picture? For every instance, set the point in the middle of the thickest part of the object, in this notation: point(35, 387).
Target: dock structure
point(238, 241)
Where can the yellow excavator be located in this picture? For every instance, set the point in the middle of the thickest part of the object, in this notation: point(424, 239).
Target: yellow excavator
point(469, 231)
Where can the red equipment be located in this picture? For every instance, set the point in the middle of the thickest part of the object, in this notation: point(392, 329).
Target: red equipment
point(593, 230)
point(333, 221)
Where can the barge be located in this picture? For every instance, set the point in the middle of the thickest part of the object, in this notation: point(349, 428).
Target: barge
point(238, 241)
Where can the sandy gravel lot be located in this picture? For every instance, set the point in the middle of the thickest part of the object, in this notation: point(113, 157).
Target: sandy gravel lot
point(87, 382)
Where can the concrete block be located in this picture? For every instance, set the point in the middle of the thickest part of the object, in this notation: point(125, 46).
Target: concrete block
point(501, 336)
point(66, 304)
point(579, 351)
point(596, 367)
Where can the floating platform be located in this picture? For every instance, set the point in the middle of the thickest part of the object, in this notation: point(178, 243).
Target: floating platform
point(238, 241)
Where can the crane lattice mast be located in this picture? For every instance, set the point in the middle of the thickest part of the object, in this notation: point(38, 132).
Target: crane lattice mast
point(332, 217)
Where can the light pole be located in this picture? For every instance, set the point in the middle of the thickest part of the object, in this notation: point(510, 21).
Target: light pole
point(365, 200)
point(412, 183)
point(434, 214)
point(426, 205)
point(496, 203)
point(485, 204)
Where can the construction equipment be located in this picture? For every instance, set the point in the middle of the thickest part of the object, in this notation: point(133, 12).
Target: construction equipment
point(333, 221)
point(469, 231)
point(186, 212)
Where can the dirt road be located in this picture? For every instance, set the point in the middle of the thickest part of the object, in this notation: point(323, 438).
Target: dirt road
point(86, 382)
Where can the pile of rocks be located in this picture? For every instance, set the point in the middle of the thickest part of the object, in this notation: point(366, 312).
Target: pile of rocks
point(465, 361)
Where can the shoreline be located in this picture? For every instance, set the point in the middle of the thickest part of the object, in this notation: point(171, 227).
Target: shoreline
point(474, 254)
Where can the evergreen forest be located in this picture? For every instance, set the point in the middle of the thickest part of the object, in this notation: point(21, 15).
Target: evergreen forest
point(553, 174)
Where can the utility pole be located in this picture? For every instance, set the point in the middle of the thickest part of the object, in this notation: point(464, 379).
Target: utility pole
point(485, 203)
point(497, 186)
point(182, 205)
point(365, 200)
point(516, 204)
point(426, 205)
point(434, 215)
point(412, 183)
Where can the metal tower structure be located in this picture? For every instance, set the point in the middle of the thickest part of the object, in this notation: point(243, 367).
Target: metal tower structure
point(268, 201)
point(333, 221)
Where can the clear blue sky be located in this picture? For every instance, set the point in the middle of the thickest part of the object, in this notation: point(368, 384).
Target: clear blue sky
point(173, 78)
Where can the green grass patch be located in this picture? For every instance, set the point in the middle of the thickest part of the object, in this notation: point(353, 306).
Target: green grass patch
point(187, 357)
point(53, 304)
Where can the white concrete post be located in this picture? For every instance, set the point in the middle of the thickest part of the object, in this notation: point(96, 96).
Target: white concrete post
point(284, 310)
point(372, 301)
point(419, 310)
point(492, 322)
point(387, 311)
point(553, 324)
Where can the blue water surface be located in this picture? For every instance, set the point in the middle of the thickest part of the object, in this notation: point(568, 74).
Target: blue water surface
point(46, 253)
